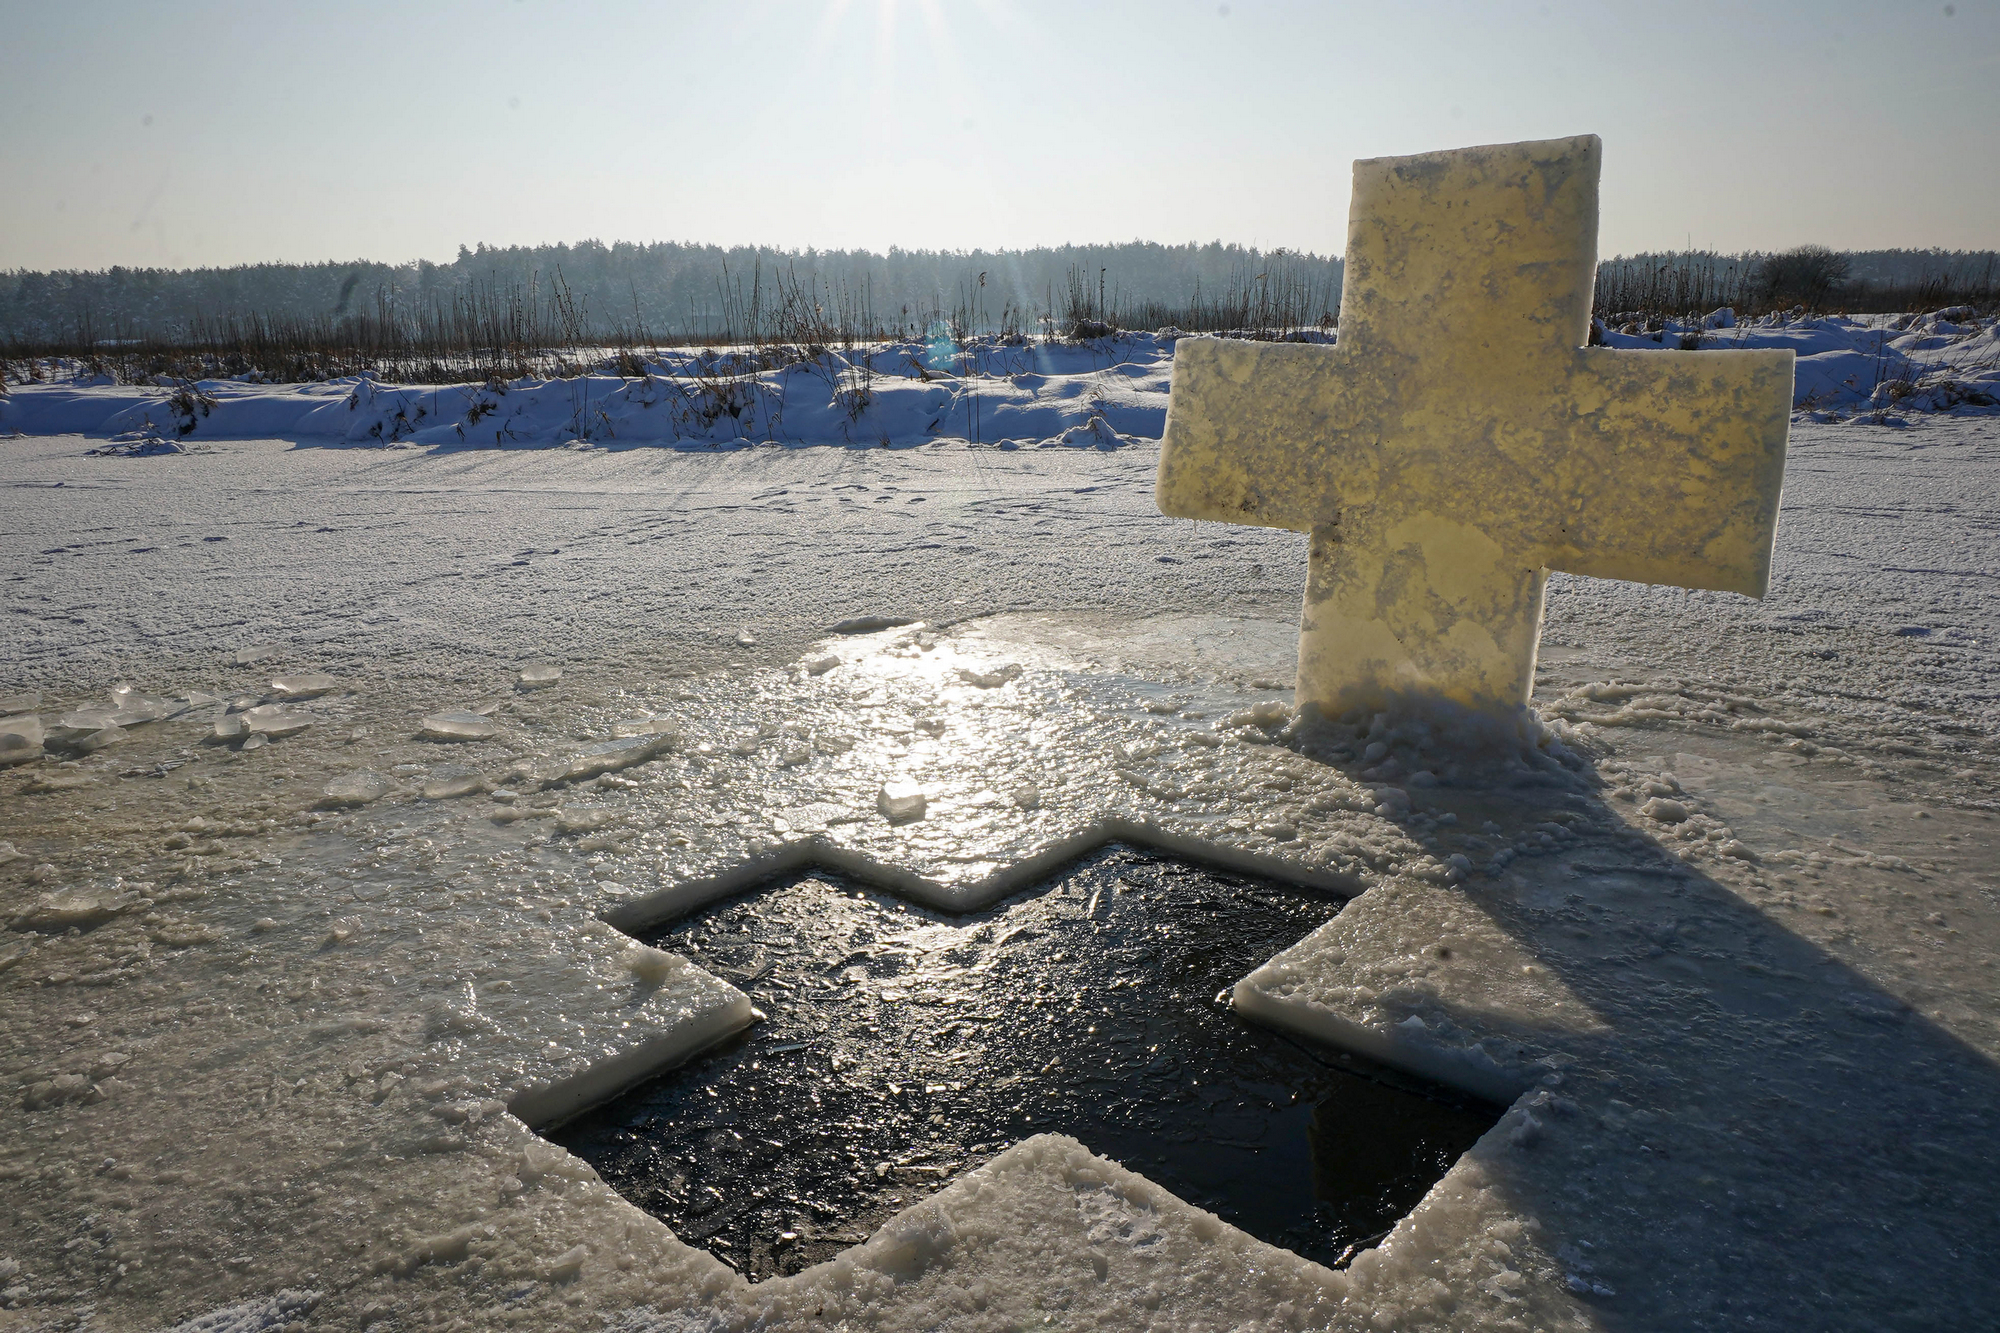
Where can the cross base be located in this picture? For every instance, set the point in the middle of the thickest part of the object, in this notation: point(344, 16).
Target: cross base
point(1424, 606)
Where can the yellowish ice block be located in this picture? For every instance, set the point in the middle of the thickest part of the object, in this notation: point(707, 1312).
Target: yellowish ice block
point(1460, 441)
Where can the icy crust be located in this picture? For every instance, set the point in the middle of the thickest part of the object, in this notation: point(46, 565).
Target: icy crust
point(617, 1035)
point(1045, 1234)
point(1099, 394)
point(1422, 978)
point(1468, 1257)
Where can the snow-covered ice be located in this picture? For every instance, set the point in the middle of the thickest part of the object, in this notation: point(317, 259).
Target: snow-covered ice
point(265, 1051)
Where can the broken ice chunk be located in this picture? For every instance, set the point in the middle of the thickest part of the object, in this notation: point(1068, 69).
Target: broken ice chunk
point(568, 1265)
point(351, 789)
point(230, 728)
point(445, 786)
point(26, 702)
point(275, 720)
point(1270, 713)
point(871, 624)
point(54, 913)
point(574, 820)
point(609, 757)
point(1027, 796)
point(987, 680)
point(458, 726)
point(1664, 810)
point(819, 666)
point(21, 739)
point(901, 802)
point(98, 739)
point(252, 655)
point(73, 726)
point(650, 965)
point(132, 706)
point(135, 708)
point(539, 675)
point(745, 639)
point(308, 686)
point(643, 726)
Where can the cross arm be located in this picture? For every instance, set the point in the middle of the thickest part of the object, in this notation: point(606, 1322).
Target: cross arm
point(1674, 469)
point(1264, 434)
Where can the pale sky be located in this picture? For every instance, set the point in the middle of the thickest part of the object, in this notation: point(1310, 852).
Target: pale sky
point(198, 133)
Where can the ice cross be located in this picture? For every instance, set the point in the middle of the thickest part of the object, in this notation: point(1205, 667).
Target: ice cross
point(1459, 441)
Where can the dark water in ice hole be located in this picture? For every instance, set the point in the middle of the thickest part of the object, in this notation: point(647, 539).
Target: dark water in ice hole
point(905, 1046)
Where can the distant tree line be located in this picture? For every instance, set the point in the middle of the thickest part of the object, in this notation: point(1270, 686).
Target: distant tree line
point(670, 290)
point(679, 292)
point(1809, 276)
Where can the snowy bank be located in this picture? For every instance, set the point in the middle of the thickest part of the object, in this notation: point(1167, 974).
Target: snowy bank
point(1097, 394)
point(1101, 393)
point(1946, 360)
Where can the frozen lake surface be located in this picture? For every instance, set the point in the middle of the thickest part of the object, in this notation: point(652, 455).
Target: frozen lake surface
point(1732, 953)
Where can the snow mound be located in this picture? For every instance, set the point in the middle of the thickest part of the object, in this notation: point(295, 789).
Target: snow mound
point(137, 444)
point(1940, 361)
point(1002, 392)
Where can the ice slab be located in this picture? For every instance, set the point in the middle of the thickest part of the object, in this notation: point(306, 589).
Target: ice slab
point(76, 909)
point(354, 789)
point(309, 685)
point(458, 726)
point(901, 802)
point(643, 726)
point(539, 675)
point(607, 757)
point(99, 739)
point(272, 721)
point(1460, 441)
point(445, 786)
point(21, 738)
point(73, 726)
point(1450, 1007)
point(672, 1011)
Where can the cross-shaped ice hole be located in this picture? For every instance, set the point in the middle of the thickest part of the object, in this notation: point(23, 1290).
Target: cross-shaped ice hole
point(904, 1046)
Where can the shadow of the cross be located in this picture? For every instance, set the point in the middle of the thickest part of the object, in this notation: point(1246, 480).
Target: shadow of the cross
point(1750, 1128)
